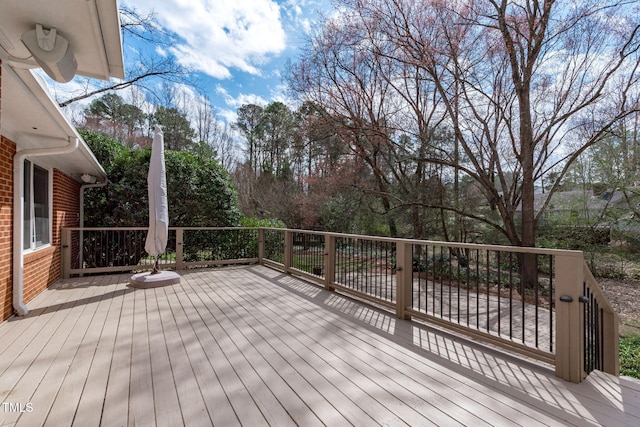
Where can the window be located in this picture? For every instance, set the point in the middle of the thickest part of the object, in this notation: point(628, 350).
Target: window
point(37, 231)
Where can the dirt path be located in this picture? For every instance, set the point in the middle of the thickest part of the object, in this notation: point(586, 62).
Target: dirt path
point(624, 296)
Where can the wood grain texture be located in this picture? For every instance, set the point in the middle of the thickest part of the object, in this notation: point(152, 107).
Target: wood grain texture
point(252, 346)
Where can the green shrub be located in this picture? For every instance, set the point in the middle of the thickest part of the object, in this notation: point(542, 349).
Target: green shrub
point(256, 222)
point(630, 356)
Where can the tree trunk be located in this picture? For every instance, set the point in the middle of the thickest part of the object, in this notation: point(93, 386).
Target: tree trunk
point(529, 263)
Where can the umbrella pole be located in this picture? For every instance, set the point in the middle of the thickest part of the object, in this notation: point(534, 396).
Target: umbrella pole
point(156, 270)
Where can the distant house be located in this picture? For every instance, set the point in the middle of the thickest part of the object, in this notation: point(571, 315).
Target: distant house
point(586, 208)
point(42, 157)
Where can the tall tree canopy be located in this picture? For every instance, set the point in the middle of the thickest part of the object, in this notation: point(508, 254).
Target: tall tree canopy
point(524, 87)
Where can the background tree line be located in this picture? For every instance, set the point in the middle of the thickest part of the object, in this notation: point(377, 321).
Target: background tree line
point(428, 120)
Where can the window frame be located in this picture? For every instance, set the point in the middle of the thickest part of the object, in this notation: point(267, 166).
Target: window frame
point(30, 238)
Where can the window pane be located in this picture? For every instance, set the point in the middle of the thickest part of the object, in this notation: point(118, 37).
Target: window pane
point(41, 205)
point(26, 207)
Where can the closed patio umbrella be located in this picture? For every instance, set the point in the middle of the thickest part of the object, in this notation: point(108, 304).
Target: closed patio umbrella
point(158, 233)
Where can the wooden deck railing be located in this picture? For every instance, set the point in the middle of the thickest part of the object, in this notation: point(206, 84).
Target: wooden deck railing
point(559, 316)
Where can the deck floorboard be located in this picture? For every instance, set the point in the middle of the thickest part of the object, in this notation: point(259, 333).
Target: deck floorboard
point(247, 345)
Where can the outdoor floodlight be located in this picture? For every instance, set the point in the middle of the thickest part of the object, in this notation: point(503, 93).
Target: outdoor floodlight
point(88, 179)
point(52, 52)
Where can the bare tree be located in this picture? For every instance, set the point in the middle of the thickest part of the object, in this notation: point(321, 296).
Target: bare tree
point(517, 81)
point(526, 86)
point(247, 124)
point(205, 121)
point(224, 145)
point(339, 74)
point(387, 112)
point(142, 26)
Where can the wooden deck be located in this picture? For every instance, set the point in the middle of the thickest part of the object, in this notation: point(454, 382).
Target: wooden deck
point(251, 346)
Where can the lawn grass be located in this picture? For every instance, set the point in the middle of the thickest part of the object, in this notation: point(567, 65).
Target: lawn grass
point(630, 356)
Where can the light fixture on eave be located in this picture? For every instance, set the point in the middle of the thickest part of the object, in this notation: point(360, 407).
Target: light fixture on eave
point(88, 178)
point(52, 52)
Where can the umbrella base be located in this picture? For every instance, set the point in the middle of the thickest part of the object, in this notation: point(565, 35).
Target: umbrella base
point(148, 280)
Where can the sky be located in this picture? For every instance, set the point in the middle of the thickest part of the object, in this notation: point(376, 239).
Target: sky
point(237, 50)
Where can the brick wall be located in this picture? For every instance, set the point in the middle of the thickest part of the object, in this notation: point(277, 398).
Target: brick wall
point(7, 151)
point(43, 267)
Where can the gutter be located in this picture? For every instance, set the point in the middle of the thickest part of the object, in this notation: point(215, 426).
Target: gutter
point(18, 215)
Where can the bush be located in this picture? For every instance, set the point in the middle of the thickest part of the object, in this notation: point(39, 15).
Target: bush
point(573, 238)
point(199, 190)
point(630, 356)
point(199, 194)
point(266, 223)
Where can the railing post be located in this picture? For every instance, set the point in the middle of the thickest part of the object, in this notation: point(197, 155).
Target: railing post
point(288, 250)
point(260, 246)
point(179, 248)
point(66, 252)
point(329, 262)
point(611, 343)
point(569, 317)
point(404, 278)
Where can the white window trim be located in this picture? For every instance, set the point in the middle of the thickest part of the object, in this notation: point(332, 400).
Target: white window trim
point(32, 246)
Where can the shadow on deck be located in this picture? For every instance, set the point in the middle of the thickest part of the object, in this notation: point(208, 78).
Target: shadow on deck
point(252, 346)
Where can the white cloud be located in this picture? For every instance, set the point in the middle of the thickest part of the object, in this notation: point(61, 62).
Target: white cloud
point(162, 52)
point(230, 115)
point(216, 36)
point(241, 99)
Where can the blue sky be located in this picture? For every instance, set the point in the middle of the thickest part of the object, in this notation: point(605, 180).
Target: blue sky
point(237, 49)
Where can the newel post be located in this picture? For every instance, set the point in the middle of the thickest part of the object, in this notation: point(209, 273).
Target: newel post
point(611, 343)
point(569, 317)
point(404, 278)
point(288, 251)
point(261, 246)
point(179, 248)
point(329, 262)
point(66, 252)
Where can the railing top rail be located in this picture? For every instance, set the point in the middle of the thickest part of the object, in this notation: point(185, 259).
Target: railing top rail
point(105, 228)
point(520, 249)
point(504, 248)
point(595, 289)
point(214, 228)
point(146, 228)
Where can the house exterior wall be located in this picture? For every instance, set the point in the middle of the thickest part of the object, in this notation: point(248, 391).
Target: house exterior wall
point(7, 151)
point(41, 267)
point(44, 266)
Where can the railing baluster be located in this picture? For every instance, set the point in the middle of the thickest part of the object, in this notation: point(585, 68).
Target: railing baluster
point(499, 291)
point(523, 297)
point(458, 280)
point(477, 288)
point(551, 303)
point(468, 283)
point(537, 306)
point(433, 280)
point(450, 272)
point(488, 285)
